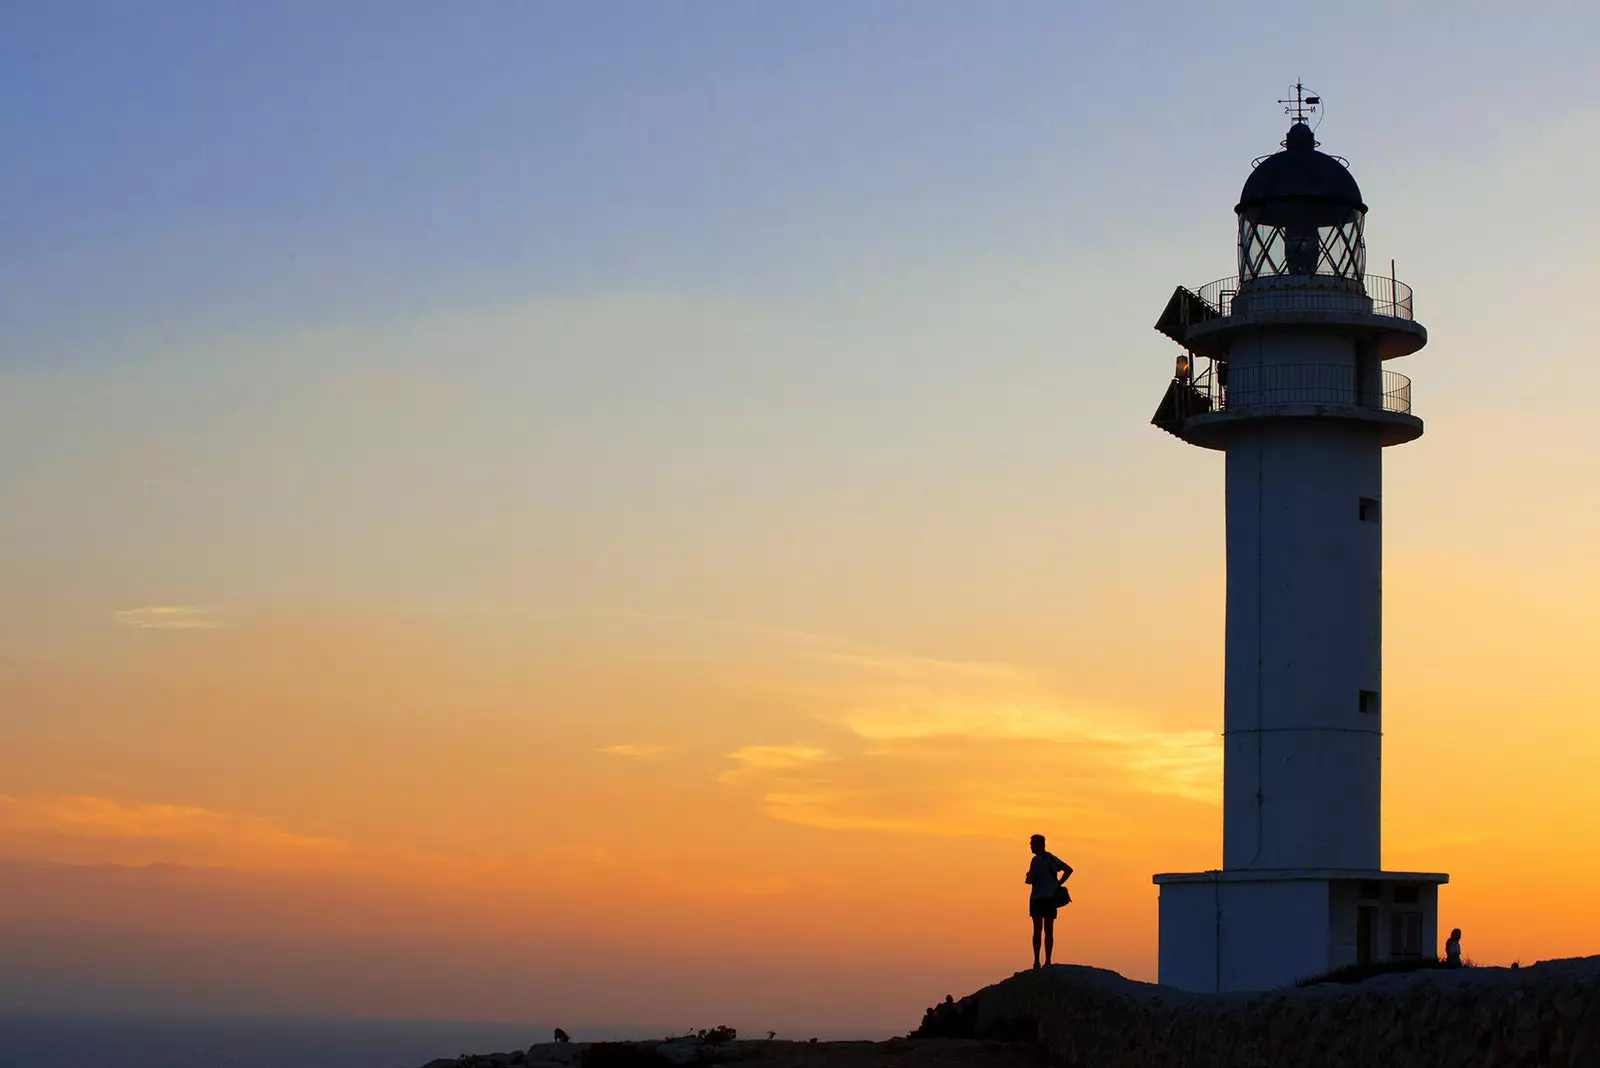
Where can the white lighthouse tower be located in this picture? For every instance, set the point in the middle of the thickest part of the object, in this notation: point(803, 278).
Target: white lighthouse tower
point(1285, 372)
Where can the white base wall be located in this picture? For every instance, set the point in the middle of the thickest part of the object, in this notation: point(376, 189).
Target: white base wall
point(1225, 931)
point(1218, 936)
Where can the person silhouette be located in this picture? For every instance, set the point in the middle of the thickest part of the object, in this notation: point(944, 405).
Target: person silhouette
point(1452, 949)
point(1046, 875)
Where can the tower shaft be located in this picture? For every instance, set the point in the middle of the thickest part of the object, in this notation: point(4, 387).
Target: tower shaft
point(1302, 732)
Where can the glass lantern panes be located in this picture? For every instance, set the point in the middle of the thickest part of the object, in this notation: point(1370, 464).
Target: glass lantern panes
point(1301, 238)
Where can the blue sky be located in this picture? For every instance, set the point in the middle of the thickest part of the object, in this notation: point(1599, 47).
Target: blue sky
point(273, 164)
point(839, 255)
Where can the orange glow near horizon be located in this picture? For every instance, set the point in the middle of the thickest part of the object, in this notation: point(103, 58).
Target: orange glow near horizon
point(702, 795)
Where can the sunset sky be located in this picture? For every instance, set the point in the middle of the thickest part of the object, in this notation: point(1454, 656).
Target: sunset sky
point(609, 513)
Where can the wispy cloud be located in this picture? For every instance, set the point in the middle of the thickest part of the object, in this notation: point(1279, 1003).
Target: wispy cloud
point(756, 760)
point(899, 699)
point(838, 810)
point(82, 828)
point(168, 617)
point(639, 750)
point(1186, 763)
point(953, 747)
point(891, 664)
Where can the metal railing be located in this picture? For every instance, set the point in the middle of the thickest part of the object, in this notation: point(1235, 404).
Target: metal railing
point(1228, 388)
point(1388, 296)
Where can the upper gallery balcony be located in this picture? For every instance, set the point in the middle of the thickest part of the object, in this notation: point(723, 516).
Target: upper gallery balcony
point(1375, 307)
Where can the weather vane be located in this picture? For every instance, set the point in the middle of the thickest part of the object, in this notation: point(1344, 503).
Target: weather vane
point(1300, 105)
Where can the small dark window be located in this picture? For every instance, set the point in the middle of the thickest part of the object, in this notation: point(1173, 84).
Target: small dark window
point(1369, 510)
point(1371, 891)
point(1405, 934)
point(1407, 895)
point(1368, 702)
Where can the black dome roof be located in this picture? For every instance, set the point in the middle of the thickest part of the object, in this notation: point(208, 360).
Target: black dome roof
point(1300, 173)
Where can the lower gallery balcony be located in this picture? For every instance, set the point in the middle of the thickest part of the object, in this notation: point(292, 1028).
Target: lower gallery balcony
point(1200, 408)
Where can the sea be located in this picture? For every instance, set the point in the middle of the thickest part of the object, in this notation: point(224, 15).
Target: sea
point(256, 1042)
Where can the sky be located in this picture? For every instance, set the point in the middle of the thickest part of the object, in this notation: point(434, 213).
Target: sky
point(618, 514)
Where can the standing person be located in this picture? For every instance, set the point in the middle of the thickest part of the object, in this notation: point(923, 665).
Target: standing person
point(1046, 875)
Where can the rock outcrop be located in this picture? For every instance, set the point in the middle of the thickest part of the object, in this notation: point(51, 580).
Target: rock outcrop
point(1544, 1015)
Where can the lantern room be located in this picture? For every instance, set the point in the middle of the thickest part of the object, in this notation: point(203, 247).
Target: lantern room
point(1301, 215)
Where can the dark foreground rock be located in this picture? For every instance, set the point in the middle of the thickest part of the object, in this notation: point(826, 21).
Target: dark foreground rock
point(1545, 1015)
point(895, 1053)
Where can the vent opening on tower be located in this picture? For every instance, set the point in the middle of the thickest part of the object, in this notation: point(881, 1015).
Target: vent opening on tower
point(1368, 510)
point(1368, 702)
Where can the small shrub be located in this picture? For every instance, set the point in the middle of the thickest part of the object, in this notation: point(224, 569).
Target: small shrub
point(948, 1020)
point(1355, 973)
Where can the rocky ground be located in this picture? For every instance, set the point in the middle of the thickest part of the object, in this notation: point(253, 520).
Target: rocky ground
point(1546, 1015)
point(895, 1053)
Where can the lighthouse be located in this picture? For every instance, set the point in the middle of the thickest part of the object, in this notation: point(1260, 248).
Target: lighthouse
point(1286, 370)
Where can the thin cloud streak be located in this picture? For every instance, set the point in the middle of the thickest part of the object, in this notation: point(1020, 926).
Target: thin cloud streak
point(639, 750)
point(52, 827)
point(168, 617)
point(757, 760)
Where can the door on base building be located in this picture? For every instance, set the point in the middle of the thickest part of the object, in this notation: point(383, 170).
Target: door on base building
point(1366, 927)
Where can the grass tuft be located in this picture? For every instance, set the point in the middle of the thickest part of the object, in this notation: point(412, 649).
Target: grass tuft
point(1355, 973)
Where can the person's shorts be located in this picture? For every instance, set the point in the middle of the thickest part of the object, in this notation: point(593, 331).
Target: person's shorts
point(1041, 910)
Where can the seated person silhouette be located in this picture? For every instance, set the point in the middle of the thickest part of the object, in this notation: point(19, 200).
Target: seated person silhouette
point(1452, 949)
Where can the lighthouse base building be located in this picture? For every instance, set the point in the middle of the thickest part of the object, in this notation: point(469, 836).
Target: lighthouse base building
point(1284, 371)
point(1256, 930)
